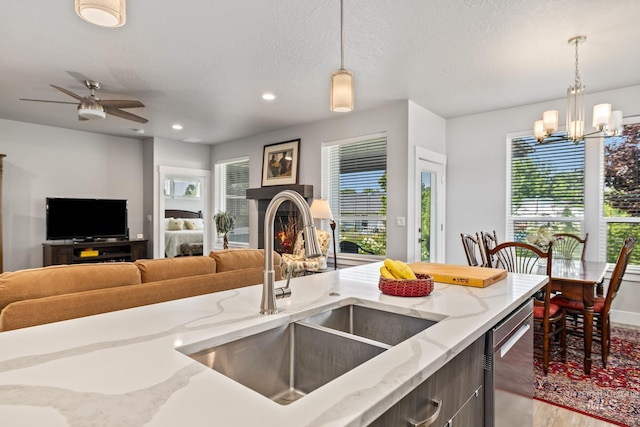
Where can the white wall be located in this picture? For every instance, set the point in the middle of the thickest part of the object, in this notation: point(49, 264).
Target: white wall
point(392, 119)
point(44, 161)
point(476, 175)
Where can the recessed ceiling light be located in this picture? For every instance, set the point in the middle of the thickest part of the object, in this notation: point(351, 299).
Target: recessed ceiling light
point(190, 139)
point(268, 97)
point(140, 131)
point(177, 126)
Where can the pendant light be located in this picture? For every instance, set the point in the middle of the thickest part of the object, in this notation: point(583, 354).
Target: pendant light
point(105, 13)
point(342, 93)
point(606, 122)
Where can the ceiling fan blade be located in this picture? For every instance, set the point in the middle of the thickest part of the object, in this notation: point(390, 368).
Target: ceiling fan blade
point(124, 115)
point(68, 92)
point(45, 100)
point(121, 103)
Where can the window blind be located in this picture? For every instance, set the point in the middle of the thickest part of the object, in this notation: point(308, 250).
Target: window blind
point(235, 184)
point(356, 186)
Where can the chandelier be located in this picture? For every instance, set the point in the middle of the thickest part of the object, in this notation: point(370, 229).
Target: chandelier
point(606, 122)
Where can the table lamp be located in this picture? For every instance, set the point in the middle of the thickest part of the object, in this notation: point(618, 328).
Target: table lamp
point(320, 209)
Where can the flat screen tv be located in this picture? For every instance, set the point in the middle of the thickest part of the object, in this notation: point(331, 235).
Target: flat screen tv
point(86, 219)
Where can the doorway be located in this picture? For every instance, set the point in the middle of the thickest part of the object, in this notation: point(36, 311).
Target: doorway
point(430, 205)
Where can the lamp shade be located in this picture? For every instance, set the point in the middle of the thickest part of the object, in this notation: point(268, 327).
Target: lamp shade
point(342, 91)
point(320, 209)
point(106, 13)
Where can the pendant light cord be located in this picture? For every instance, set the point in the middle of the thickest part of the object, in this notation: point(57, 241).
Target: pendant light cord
point(578, 82)
point(341, 35)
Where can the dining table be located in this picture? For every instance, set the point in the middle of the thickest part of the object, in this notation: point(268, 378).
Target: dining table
point(580, 281)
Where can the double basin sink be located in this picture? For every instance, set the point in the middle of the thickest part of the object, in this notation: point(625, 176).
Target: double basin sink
point(288, 362)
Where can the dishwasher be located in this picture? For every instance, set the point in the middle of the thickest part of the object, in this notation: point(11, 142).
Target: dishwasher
point(509, 370)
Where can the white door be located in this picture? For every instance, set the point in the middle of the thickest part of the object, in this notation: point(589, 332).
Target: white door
point(430, 206)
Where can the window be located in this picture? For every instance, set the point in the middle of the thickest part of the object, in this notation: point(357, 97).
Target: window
point(232, 178)
point(354, 181)
point(547, 187)
point(621, 192)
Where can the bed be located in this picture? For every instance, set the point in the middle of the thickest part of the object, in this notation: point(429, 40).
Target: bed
point(183, 232)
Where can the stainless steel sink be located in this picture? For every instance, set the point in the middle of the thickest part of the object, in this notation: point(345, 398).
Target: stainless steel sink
point(379, 325)
point(287, 362)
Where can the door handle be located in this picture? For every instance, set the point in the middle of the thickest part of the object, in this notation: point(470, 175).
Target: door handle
point(435, 402)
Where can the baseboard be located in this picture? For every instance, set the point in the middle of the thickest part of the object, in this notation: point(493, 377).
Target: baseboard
point(625, 317)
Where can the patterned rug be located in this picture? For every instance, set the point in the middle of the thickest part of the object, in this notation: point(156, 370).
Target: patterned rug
point(611, 394)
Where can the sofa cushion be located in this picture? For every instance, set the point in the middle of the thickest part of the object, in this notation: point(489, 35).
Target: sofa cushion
point(22, 314)
point(152, 270)
point(64, 279)
point(234, 259)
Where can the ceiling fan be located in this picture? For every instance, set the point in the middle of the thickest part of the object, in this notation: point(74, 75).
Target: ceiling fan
point(92, 107)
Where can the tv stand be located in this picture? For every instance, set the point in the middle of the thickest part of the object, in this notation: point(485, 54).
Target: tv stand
point(96, 251)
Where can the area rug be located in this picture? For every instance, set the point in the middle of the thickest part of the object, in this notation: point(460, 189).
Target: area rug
point(610, 394)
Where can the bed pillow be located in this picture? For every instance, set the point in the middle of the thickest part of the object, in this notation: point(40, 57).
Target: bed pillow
point(175, 224)
point(194, 224)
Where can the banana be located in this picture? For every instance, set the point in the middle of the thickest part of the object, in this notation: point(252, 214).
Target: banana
point(384, 272)
point(407, 273)
point(394, 268)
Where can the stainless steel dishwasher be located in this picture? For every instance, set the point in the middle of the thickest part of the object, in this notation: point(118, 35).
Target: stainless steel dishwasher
point(509, 370)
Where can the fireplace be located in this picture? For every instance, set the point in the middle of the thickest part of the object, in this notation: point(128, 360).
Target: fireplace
point(286, 214)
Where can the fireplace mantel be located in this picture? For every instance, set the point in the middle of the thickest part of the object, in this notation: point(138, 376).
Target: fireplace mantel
point(267, 193)
point(264, 195)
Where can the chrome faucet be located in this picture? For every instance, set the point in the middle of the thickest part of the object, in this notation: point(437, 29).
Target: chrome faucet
point(311, 247)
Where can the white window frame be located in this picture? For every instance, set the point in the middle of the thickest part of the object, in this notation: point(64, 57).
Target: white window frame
point(220, 196)
point(330, 194)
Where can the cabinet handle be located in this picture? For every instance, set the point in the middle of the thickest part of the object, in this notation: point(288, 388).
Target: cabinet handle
point(438, 404)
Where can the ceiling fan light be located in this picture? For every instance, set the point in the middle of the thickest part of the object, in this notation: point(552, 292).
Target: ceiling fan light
point(601, 116)
point(342, 93)
point(105, 13)
point(87, 111)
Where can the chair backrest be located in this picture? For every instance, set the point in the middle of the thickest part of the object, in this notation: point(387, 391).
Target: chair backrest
point(618, 272)
point(347, 247)
point(471, 247)
point(569, 246)
point(487, 241)
point(519, 257)
point(324, 238)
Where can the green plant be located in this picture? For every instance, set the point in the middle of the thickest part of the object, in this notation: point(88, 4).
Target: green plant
point(225, 222)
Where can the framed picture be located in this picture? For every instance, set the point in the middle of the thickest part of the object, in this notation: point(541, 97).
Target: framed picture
point(280, 163)
point(186, 189)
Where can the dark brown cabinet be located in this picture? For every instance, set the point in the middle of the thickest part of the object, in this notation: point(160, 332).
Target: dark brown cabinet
point(453, 396)
point(76, 253)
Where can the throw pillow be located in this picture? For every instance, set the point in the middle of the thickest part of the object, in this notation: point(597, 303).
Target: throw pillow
point(176, 224)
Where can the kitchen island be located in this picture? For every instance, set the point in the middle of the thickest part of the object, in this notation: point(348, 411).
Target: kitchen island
point(123, 368)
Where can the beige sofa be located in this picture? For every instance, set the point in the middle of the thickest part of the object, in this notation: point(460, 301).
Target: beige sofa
point(50, 294)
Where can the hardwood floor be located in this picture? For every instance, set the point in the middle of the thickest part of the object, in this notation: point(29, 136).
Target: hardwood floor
point(546, 415)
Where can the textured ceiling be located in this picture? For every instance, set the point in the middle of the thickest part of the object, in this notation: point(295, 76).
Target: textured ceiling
point(205, 63)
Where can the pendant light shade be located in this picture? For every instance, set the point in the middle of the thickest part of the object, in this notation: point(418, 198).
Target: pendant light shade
point(342, 92)
point(106, 13)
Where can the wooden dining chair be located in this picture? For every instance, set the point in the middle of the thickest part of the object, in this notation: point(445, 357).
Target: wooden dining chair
point(487, 241)
point(549, 318)
point(569, 246)
point(601, 306)
point(472, 248)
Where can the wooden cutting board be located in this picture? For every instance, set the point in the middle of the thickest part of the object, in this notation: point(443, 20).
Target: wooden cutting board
point(479, 277)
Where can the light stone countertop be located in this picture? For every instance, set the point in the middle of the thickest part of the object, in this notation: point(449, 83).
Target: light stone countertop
point(123, 369)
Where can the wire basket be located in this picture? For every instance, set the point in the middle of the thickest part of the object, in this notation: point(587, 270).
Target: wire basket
point(420, 287)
